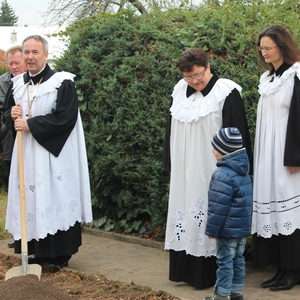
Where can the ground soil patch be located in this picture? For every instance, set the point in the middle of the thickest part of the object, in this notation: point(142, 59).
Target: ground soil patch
point(68, 284)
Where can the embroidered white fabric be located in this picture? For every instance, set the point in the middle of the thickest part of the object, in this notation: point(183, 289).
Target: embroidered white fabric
point(194, 107)
point(194, 121)
point(57, 189)
point(276, 193)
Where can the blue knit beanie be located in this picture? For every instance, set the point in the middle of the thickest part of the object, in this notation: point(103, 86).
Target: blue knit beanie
point(227, 140)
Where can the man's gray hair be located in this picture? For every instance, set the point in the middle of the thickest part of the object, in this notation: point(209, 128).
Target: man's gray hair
point(37, 38)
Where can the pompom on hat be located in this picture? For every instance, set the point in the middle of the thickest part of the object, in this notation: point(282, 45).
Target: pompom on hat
point(227, 140)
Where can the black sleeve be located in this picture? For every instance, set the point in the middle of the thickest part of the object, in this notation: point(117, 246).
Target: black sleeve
point(52, 130)
point(9, 102)
point(292, 142)
point(234, 115)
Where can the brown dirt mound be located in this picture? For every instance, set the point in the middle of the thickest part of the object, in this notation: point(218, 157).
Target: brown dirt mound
point(29, 287)
point(68, 284)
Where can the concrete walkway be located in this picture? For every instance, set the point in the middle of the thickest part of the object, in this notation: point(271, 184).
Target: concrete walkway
point(128, 259)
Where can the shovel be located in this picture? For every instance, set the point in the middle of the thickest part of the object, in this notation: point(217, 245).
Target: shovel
point(25, 268)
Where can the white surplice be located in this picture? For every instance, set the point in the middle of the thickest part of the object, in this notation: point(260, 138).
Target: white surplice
point(194, 122)
point(276, 195)
point(57, 189)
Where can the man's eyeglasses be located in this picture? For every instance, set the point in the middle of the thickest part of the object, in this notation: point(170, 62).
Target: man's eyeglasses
point(261, 49)
point(197, 76)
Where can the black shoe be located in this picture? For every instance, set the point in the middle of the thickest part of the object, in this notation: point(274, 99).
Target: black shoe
point(54, 267)
point(11, 244)
point(238, 296)
point(289, 280)
point(278, 276)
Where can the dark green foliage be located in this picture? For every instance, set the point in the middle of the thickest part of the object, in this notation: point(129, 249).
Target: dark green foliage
point(126, 70)
point(7, 15)
point(125, 76)
point(3, 69)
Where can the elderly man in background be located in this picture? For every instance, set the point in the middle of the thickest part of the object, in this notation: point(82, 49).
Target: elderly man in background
point(16, 67)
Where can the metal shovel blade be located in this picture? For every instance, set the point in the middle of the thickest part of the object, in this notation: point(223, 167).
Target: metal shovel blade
point(34, 269)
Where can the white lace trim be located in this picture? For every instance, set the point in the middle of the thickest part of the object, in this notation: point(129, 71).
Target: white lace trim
point(49, 86)
point(192, 108)
point(266, 88)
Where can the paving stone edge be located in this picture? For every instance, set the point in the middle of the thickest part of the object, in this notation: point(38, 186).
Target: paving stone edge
point(124, 238)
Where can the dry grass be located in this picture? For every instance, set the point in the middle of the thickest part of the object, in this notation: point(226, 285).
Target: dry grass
point(3, 203)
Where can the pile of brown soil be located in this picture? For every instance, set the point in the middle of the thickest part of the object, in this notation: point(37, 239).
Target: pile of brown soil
point(68, 284)
point(29, 287)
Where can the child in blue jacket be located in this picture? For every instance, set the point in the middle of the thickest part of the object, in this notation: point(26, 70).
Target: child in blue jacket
point(229, 212)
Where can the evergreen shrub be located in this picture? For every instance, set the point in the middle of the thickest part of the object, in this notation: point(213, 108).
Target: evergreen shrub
point(125, 68)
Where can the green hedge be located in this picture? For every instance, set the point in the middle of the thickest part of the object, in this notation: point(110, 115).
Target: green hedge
point(126, 70)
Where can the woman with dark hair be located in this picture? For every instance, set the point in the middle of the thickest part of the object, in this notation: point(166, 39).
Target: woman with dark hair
point(276, 195)
point(202, 104)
